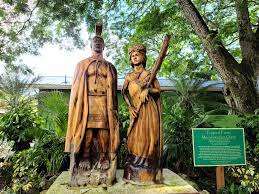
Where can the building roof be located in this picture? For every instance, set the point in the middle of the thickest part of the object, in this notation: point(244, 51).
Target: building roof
point(64, 83)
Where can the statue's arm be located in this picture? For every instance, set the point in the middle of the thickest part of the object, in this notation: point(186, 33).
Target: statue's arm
point(155, 89)
point(125, 94)
point(73, 96)
point(74, 85)
point(124, 91)
point(115, 86)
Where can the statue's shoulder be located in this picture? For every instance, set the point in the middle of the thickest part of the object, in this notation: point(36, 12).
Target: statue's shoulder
point(108, 63)
point(146, 72)
point(84, 62)
point(130, 76)
point(112, 67)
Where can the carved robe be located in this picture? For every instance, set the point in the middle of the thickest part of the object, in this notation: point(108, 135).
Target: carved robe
point(145, 139)
point(79, 107)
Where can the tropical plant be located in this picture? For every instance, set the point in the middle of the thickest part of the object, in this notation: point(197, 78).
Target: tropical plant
point(5, 149)
point(20, 119)
point(124, 119)
point(51, 148)
point(247, 177)
point(251, 125)
point(16, 86)
point(19, 125)
point(39, 141)
point(233, 189)
point(192, 94)
point(45, 158)
point(53, 109)
point(26, 176)
point(6, 152)
point(187, 108)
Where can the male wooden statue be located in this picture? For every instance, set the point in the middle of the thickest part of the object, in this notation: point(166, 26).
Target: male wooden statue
point(93, 131)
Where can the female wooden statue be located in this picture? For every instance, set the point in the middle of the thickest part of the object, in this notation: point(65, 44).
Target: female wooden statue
point(145, 136)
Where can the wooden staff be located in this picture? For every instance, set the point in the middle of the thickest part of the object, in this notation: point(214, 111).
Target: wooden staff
point(154, 72)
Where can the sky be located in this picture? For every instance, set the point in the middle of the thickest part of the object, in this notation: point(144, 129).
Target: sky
point(54, 61)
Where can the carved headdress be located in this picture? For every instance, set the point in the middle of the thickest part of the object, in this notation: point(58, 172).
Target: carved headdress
point(138, 48)
point(98, 31)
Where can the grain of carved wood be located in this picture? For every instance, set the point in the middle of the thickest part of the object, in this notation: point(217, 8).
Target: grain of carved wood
point(93, 131)
point(145, 136)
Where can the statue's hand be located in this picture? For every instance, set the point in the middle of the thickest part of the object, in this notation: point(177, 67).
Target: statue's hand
point(133, 112)
point(144, 95)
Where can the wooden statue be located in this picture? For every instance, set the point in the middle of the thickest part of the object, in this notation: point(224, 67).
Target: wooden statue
point(141, 92)
point(93, 131)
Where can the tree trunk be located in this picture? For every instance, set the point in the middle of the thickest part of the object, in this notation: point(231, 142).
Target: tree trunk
point(238, 78)
point(257, 52)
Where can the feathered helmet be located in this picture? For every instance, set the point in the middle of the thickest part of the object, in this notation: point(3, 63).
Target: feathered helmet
point(138, 48)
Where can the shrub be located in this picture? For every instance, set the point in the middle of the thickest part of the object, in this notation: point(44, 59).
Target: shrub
point(233, 189)
point(247, 177)
point(19, 124)
point(178, 139)
point(124, 119)
point(5, 166)
point(16, 93)
point(53, 109)
point(26, 176)
point(39, 147)
point(44, 159)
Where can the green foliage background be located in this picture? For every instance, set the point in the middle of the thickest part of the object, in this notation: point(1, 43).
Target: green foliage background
point(25, 26)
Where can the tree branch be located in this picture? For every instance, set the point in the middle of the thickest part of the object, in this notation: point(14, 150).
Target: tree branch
point(28, 19)
point(254, 2)
point(235, 38)
point(246, 35)
point(223, 61)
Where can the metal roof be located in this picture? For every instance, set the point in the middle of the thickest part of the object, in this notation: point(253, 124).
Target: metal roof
point(64, 82)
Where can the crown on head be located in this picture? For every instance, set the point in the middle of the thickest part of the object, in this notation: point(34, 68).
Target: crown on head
point(138, 47)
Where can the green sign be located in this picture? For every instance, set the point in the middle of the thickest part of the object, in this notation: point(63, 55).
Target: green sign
point(218, 146)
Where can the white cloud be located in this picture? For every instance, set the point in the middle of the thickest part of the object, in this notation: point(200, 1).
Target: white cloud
point(54, 61)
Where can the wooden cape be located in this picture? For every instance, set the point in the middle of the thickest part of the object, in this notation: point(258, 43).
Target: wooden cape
point(78, 107)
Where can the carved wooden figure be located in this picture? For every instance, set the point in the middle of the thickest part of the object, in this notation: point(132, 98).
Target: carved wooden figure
point(145, 132)
point(93, 131)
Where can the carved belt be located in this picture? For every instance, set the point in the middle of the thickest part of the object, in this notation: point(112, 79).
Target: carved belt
point(97, 93)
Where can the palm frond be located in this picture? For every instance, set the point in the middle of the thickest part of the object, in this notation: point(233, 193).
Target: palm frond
point(16, 86)
point(53, 108)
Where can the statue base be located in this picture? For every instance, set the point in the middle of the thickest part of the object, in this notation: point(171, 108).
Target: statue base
point(140, 176)
point(172, 183)
point(93, 177)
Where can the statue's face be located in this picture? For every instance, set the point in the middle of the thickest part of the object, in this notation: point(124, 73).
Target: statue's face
point(137, 58)
point(97, 45)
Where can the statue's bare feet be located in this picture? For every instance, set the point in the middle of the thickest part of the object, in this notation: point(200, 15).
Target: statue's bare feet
point(85, 164)
point(104, 163)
